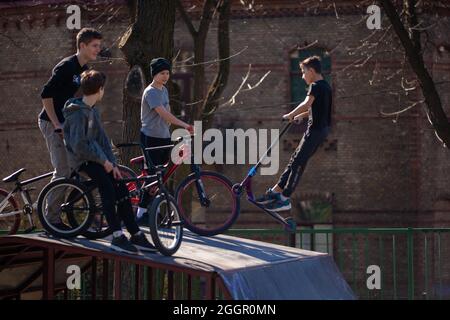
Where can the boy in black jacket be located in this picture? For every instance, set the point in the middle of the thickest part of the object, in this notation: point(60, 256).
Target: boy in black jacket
point(89, 150)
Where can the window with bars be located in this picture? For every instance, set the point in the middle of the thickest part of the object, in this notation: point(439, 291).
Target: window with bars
point(298, 86)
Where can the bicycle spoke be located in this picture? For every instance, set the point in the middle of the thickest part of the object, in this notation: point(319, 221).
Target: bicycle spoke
point(208, 205)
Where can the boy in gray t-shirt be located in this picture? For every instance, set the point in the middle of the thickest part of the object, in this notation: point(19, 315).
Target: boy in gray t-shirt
point(156, 118)
point(153, 125)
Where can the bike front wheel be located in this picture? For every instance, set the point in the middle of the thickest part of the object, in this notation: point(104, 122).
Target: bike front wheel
point(9, 223)
point(165, 225)
point(208, 205)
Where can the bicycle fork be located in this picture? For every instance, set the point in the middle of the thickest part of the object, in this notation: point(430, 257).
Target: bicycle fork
point(28, 209)
point(203, 197)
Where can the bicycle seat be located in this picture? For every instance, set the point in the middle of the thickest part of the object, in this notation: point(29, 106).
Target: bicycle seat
point(14, 176)
point(137, 160)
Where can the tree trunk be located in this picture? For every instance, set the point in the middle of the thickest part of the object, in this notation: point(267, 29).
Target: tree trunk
point(411, 43)
point(149, 36)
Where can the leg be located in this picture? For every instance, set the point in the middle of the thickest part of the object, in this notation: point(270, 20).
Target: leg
point(273, 194)
point(282, 181)
point(107, 192)
point(158, 157)
point(124, 208)
point(59, 160)
point(307, 147)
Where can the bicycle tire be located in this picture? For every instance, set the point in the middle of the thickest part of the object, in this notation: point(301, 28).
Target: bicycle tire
point(223, 189)
point(157, 224)
point(15, 220)
point(89, 205)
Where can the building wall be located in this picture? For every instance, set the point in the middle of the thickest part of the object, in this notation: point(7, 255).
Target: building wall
point(380, 173)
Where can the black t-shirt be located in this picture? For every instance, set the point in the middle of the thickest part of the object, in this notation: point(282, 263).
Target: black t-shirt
point(62, 85)
point(320, 112)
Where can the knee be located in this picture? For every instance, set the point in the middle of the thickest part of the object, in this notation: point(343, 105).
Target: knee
point(122, 189)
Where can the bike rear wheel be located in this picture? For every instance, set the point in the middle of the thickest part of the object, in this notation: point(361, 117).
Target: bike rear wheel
point(69, 200)
point(215, 211)
point(165, 225)
point(8, 224)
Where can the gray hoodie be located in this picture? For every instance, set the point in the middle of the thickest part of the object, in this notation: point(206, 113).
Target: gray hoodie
point(84, 136)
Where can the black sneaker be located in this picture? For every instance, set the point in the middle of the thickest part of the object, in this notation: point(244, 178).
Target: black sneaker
point(122, 244)
point(268, 197)
point(279, 205)
point(140, 241)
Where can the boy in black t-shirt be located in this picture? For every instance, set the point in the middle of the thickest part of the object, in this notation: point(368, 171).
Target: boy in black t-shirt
point(62, 85)
point(317, 107)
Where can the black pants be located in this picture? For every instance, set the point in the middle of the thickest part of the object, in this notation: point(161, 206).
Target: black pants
point(307, 147)
point(111, 192)
point(158, 157)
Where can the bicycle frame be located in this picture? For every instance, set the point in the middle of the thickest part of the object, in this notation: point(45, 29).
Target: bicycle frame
point(144, 176)
point(195, 168)
point(158, 185)
point(246, 184)
point(29, 206)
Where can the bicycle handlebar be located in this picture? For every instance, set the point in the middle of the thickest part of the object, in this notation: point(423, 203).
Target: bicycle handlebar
point(138, 144)
point(128, 144)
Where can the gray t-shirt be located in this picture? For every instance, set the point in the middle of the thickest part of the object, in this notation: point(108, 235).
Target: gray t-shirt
point(152, 123)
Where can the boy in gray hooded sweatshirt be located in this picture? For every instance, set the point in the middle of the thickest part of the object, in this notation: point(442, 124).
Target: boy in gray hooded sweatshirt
point(89, 150)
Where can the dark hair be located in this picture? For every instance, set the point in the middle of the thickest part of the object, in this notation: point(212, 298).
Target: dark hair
point(92, 81)
point(312, 62)
point(86, 35)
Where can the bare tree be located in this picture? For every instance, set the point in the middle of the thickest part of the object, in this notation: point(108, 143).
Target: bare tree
point(150, 35)
point(409, 35)
point(203, 108)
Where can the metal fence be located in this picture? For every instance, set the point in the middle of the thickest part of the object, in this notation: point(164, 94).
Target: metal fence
point(139, 283)
point(413, 263)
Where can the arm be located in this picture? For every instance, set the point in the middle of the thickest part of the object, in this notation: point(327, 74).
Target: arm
point(50, 88)
point(169, 117)
point(302, 108)
point(81, 145)
point(301, 116)
point(50, 109)
point(108, 151)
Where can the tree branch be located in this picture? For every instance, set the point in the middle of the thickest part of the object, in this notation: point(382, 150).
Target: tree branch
point(206, 18)
point(186, 19)
point(411, 15)
point(434, 109)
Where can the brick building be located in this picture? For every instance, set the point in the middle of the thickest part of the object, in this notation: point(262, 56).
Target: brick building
point(372, 171)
